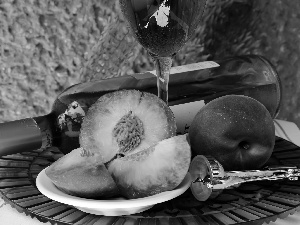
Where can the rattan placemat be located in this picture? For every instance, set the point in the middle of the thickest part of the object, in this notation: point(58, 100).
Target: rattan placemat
point(250, 203)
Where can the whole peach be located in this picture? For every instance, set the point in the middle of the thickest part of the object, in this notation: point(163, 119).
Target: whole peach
point(236, 130)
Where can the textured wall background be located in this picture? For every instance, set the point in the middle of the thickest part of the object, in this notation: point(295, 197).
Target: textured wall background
point(46, 46)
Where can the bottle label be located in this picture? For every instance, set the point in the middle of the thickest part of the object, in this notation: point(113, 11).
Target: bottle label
point(185, 113)
point(191, 67)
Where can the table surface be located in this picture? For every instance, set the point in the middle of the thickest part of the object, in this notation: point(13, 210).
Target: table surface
point(284, 129)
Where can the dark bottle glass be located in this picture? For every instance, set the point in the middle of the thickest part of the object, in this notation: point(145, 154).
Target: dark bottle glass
point(250, 75)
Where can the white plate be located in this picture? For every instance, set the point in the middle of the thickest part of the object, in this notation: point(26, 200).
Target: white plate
point(111, 207)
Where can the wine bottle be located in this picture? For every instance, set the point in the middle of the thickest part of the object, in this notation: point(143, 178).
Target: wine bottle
point(250, 75)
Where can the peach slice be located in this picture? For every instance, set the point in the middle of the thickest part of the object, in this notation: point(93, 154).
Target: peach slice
point(82, 176)
point(158, 168)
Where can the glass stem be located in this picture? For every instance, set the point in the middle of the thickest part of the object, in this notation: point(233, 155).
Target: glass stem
point(163, 66)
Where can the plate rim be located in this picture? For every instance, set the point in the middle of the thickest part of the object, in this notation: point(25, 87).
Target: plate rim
point(48, 188)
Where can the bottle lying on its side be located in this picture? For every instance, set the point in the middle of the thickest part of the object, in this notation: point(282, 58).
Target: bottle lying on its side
point(250, 75)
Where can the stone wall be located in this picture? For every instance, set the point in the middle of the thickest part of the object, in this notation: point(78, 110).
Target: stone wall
point(49, 45)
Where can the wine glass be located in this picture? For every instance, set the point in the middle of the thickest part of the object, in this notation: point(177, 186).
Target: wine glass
point(162, 27)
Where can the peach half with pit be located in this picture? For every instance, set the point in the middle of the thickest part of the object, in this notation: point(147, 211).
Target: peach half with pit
point(123, 122)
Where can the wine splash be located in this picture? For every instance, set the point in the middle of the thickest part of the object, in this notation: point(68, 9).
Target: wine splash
point(162, 27)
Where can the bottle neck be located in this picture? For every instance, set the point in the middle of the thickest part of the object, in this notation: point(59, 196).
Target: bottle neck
point(26, 135)
point(48, 131)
